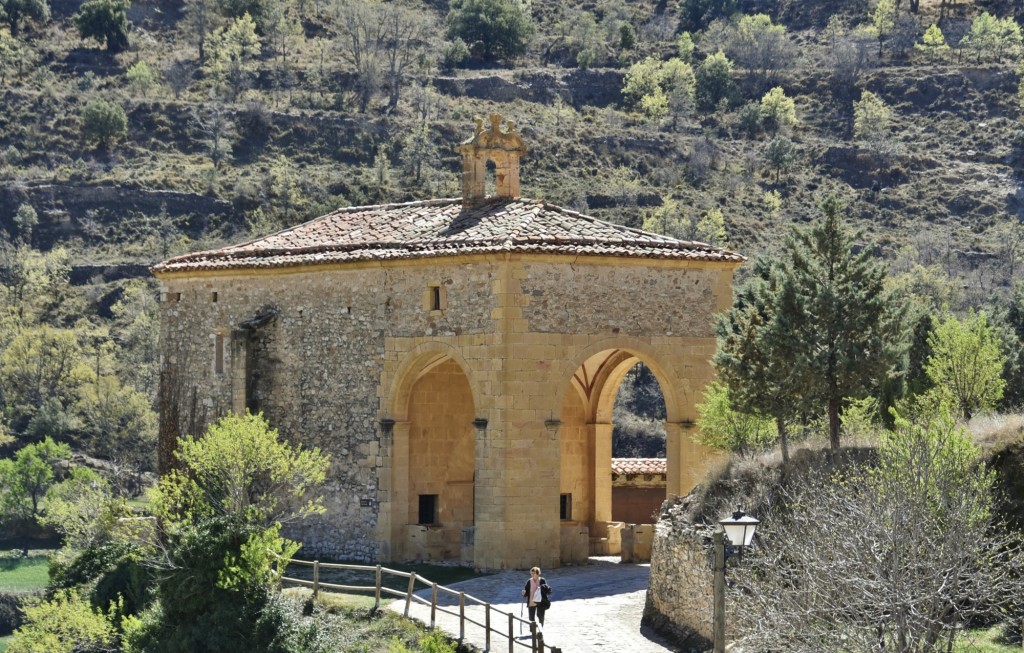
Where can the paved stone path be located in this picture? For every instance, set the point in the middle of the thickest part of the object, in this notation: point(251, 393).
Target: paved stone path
point(594, 609)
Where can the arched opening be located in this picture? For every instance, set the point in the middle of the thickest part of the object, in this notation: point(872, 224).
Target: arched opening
point(588, 421)
point(434, 465)
point(639, 448)
point(490, 178)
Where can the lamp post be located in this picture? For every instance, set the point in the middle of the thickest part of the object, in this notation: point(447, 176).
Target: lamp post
point(740, 530)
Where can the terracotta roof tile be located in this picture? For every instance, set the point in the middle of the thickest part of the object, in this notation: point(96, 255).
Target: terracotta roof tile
point(435, 228)
point(639, 466)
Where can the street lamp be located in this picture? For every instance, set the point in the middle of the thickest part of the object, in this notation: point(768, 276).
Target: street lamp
point(740, 530)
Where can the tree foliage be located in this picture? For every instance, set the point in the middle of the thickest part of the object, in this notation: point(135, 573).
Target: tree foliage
point(846, 327)
point(777, 110)
point(105, 21)
point(754, 353)
point(871, 118)
point(14, 12)
point(103, 123)
point(713, 82)
point(233, 50)
point(722, 426)
point(25, 478)
point(493, 29)
point(966, 363)
point(761, 47)
point(67, 623)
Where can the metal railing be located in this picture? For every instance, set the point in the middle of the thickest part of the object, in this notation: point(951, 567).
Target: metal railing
point(535, 643)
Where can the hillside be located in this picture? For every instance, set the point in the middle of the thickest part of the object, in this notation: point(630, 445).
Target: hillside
point(197, 167)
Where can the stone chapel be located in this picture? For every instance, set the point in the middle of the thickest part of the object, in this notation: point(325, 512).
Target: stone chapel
point(457, 358)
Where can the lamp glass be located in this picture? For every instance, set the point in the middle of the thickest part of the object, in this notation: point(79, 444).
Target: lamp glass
point(740, 529)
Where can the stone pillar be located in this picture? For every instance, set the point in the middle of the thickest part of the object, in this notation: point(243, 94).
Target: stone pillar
point(396, 513)
point(688, 460)
point(474, 177)
point(602, 468)
point(488, 496)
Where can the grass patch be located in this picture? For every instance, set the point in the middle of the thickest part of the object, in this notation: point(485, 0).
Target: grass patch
point(989, 640)
point(24, 574)
point(4, 642)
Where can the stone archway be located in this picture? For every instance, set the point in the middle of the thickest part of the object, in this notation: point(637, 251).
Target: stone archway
point(432, 455)
point(585, 445)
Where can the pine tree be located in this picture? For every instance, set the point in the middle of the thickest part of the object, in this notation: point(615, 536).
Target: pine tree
point(754, 353)
point(844, 327)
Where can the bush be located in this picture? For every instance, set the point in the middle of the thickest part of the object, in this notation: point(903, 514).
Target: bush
point(714, 83)
point(494, 29)
point(454, 53)
point(103, 123)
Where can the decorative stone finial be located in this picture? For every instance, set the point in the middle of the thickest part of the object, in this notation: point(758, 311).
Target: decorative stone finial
point(504, 148)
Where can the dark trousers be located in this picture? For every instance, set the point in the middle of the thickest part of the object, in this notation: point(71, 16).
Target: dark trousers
point(536, 613)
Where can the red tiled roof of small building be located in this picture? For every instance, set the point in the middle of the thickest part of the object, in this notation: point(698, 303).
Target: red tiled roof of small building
point(436, 228)
point(639, 466)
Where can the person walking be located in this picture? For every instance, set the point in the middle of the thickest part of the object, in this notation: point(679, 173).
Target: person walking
point(537, 591)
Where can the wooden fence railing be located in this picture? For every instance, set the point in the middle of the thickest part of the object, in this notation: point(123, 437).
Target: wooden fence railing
point(535, 643)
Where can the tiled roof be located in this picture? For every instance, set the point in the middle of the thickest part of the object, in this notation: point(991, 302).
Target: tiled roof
point(639, 466)
point(436, 228)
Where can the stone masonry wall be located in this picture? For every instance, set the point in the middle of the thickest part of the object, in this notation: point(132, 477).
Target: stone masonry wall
point(681, 591)
point(326, 348)
point(331, 361)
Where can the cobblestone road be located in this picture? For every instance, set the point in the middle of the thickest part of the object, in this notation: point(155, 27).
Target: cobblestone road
point(594, 609)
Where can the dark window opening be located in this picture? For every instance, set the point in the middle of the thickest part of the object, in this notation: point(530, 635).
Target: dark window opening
point(213, 297)
point(435, 298)
point(428, 509)
point(565, 507)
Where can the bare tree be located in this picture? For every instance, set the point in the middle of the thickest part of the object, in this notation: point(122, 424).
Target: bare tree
point(895, 556)
point(201, 19)
point(215, 124)
point(381, 41)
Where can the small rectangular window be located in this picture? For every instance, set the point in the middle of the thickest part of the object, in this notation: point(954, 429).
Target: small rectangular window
point(218, 354)
point(435, 298)
point(213, 297)
point(565, 507)
point(428, 509)
point(173, 297)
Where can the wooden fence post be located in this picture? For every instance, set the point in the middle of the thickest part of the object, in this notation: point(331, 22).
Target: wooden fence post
point(511, 633)
point(316, 578)
point(487, 627)
point(433, 605)
point(408, 596)
point(533, 637)
point(462, 616)
point(376, 596)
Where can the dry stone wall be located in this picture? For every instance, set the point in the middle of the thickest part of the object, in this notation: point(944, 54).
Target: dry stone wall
point(681, 591)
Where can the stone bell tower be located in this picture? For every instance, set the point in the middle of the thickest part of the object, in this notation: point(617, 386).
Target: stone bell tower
point(504, 148)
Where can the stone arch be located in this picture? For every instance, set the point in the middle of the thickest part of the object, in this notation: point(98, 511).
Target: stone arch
point(429, 438)
point(587, 388)
point(418, 361)
point(678, 396)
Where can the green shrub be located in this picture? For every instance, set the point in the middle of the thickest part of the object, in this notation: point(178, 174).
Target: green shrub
point(103, 123)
